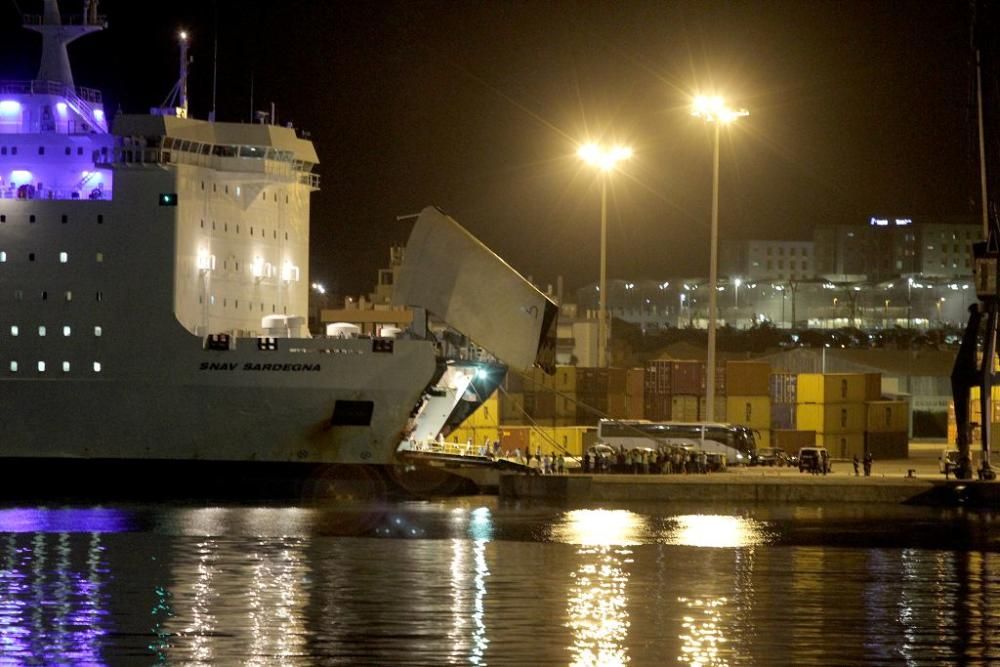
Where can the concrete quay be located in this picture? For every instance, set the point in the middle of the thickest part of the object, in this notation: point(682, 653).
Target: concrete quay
point(725, 488)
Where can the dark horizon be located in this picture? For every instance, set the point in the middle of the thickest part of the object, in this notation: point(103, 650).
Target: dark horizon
point(857, 109)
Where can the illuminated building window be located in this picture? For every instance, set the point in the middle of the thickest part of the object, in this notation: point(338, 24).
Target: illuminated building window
point(67, 331)
point(97, 367)
point(41, 330)
point(14, 330)
point(65, 367)
point(98, 331)
point(41, 366)
point(63, 257)
point(13, 367)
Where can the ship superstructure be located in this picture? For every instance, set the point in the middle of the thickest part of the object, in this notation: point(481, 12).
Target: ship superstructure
point(153, 281)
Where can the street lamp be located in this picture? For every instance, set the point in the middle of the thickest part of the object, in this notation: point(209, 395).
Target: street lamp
point(714, 110)
point(605, 161)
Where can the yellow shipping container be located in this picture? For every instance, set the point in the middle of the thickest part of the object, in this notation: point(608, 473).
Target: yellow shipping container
point(763, 437)
point(511, 408)
point(752, 411)
point(831, 388)
point(566, 440)
point(684, 408)
point(487, 414)
point(887, 416)
point(842, 445)
point(747, 378)
point(873, 386)
point(566, 403)
point(537, 380)
point(830, 418)
point(720, 410)
point(477, 436)
point(565, 379)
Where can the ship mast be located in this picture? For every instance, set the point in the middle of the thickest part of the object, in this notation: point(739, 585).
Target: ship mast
point(56, 35)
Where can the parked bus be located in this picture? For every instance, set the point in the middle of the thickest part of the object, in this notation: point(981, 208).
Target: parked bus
point(737, 442)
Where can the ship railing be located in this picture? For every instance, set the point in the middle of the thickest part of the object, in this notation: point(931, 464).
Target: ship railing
point(99, 194)
point(41, 87)
point(84, 109)
point(98, 20)
point(124, 155)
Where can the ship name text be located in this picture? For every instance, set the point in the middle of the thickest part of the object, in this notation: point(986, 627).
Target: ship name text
point(250, 366)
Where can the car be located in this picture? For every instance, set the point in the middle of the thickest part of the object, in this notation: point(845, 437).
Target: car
point(769, 456)
point(814, 459)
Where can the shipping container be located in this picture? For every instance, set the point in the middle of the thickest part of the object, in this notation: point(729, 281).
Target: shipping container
point(477, 437)
point(487, 414)
point(515, 437)
point(784, 387)
point(684, 408)
point(687, 377)
point(748, 378)
point(635, 379)
point(887, 416)
point(763, 437)
point(511, 407)
point(658, 408)
point(783, 416)
point(617, 406)
point(540, 405)
point(658, 376)
point(565, 440)
point(831, 388)
point(873, 386)
point(719, 407)
point(842, 445)
point(830, 418)
point(514, 382)
point(565, 404)
point(634, 408)
point(887, 445)
point(752, 411)
point(565, 378)
point(791, 440)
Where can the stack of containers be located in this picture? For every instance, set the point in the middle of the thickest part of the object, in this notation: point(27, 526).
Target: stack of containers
point(887, 429)
point(748, 400)
point(635, 380)
point(833, 405)
point(720, 393)
point(657, 390)
point(482, 425)
point(600, 393)
point(687, 386)
point(539, 395)
point(565, 440)
point(512, 399)
point(564, 398)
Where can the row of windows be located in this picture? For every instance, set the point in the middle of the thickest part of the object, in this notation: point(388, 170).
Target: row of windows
point(791, 251)
point(42, 366)
point(63, 218)
point(225, 228)
point(15, 330)
point(263, 195)
point(791, 265)
point(236, 304)
point(12, 150)
point(67, 295)
point(63, 257)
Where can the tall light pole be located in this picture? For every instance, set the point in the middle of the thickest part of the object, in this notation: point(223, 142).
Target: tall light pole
point(605, 161)
point(714, 110)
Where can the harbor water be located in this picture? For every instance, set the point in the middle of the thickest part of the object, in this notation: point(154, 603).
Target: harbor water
point(475, 581)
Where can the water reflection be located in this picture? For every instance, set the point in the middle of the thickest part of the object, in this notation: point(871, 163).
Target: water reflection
point(478, 525)
point(715, 531)
point(702, 632)
point(598, 600)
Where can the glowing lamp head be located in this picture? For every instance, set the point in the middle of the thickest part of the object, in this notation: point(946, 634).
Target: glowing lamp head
point(20, 176)
point(9, 107)
point(713, 109)
point(605, 160)
point(61, 108)
point(99, 115)
point(182, 35)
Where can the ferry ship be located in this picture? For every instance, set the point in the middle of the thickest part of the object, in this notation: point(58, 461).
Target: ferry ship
point(154, 278)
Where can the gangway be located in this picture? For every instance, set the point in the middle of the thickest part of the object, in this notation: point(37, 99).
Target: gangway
point(455, 455)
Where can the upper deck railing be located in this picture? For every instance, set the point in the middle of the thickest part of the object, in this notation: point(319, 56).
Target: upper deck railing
point(90, 95)
point(97, 20)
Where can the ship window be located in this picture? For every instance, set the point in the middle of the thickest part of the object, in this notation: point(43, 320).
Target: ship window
point(65, 218)
point(3, 218)
point(3, 256)
point(45, 295)
point(13, 367)
point(227, 189)
point(31, 257)
point(31, 218)
point(213, 224)
point(69, 150)
point(251, 231)
point(18, 295)
point(41, 366)
point(215, 188)
point(3, 151)
point(98, 331)
point(13, 150)
point(14, 330)
point(79, 150)
point(286, 199)
point(65, 366)
point(97, 367)
point(203, 224)
point(211, 300)
point(67, 331)
point(276, 234)
point(286, 236)
point(100, 219)
point(203, 187)
point(100, 296)
point(100, 257)
point(352, 413)
point(236, 303)
point(41, 331)
point(263, 195)
point(41, 150)
point(63, 257)
point(237, 229)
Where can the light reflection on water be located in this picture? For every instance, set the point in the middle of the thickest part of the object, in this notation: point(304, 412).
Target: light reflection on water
point(470, 583)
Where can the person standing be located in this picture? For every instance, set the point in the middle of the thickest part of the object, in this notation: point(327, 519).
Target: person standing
point(856, 463)
point(868, 464)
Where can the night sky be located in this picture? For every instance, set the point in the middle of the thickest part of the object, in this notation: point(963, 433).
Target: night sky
point(857, 108)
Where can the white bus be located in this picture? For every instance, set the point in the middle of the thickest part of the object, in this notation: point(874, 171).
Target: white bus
point(736, 442)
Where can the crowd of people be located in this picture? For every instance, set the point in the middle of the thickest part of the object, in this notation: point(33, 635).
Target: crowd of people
point(649, 462)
